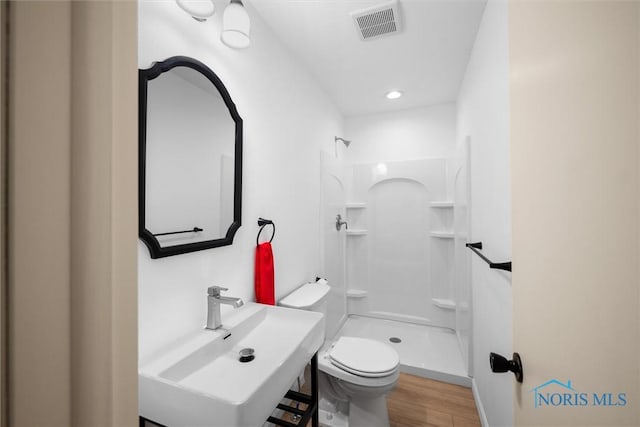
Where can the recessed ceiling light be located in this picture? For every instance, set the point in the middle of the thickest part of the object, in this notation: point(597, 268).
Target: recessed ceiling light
point(394, 94)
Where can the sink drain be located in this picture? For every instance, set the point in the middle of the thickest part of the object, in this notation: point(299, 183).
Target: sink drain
point(395, 340)
point(246, 355)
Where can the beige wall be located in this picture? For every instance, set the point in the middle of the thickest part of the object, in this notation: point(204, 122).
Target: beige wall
point(574, 144)
point(3, 266)
point(104, 213)
point(73, 214)
point(39, 226)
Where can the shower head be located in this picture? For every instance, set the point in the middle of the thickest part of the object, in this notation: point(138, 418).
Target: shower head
point(344, 141)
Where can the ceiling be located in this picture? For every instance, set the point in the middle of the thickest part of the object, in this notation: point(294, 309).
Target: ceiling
point(426, 59)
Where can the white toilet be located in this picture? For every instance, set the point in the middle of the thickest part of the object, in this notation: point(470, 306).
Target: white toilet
point(356, 373)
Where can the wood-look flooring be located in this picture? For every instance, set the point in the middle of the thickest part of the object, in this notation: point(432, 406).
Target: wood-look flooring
point(421, 402)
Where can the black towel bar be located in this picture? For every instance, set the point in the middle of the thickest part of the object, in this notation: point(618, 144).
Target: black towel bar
point(476, 247)
point(193, 230)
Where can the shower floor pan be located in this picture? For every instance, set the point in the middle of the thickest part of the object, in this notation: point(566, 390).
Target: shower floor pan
point(425, 351)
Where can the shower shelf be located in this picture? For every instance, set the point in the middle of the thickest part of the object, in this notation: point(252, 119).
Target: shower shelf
point(355, 232)
point(446, 304)
point(356, 205)
point(442, 234)
point(356, 293)
point(442, 204)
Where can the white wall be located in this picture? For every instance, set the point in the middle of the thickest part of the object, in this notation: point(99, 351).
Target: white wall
point(483, 114)
point(287, 121)
point(403, 135)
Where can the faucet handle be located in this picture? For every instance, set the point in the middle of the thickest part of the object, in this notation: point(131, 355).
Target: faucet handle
point(214, 291)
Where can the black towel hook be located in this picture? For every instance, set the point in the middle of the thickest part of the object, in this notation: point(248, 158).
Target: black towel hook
point(263, 223)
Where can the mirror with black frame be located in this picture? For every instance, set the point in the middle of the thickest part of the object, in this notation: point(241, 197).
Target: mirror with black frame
point(190, 159)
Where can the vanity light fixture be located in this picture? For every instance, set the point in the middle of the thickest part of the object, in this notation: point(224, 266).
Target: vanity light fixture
point(236, 26)
point(200, 10)
point(394, 94)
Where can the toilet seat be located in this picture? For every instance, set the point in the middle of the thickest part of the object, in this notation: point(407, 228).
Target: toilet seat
point(361, 361)
point(364, 357)
point(363, 374)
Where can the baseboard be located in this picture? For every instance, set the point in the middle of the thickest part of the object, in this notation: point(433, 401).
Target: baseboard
point(476, 397)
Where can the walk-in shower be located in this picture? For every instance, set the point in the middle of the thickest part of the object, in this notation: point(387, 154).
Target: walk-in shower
point(396, 265)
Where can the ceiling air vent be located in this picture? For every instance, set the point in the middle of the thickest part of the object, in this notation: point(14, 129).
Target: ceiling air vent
point(377, 21)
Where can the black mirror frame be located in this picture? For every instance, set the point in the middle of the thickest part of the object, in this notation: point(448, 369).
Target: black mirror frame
point(144, 76)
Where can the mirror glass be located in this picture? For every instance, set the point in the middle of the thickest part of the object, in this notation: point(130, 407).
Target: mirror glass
point(190, 166)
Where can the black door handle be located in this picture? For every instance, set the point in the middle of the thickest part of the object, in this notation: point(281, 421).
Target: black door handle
point(500, 363)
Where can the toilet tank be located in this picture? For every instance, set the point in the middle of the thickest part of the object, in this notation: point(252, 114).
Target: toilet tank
point(311, 297)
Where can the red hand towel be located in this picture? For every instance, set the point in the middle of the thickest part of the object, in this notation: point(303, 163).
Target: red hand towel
point(264, 280)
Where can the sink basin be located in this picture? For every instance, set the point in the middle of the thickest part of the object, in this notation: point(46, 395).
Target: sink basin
point(202, 382)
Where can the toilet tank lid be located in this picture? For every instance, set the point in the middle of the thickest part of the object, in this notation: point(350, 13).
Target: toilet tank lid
point(306, 296)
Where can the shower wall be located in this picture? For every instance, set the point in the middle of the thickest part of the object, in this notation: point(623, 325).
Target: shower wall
point(333, 200)
point(400, 242)
point(400, 246)
point(461, 181)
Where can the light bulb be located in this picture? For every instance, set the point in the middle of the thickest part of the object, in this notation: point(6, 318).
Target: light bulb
point(200, 10)
point(236, 26)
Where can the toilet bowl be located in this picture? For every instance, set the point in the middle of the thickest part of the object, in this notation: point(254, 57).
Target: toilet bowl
point(362, 372)
point(356, 372)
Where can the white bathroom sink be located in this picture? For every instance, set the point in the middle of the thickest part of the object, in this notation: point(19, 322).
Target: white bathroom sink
point(201, 382)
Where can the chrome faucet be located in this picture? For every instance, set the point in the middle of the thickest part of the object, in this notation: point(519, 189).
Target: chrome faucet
point(340, 222)
point(213, 305)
